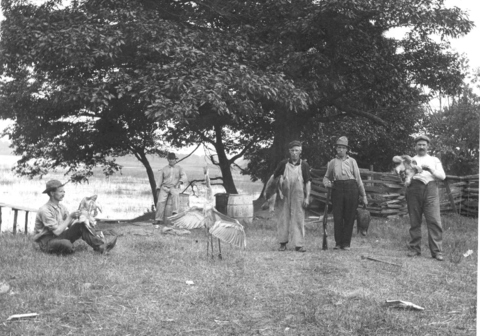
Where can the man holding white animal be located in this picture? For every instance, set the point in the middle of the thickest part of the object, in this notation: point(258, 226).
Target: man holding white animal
point(56, 229)
point(422, 199)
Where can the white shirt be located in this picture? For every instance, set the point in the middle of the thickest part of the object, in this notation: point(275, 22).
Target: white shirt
point(434, 164)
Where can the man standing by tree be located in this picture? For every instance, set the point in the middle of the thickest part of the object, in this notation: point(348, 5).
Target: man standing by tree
point(54, 231)
point(171, 176)
point(422, 198)
point(295, 185)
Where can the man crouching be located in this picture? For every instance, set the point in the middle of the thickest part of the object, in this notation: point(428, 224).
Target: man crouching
point(54, 231)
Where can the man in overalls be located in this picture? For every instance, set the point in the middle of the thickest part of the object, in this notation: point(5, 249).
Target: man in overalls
point(295, 184)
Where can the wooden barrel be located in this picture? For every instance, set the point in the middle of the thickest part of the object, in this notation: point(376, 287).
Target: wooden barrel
point(221, 200)
point(240, 207)
point(183, 204)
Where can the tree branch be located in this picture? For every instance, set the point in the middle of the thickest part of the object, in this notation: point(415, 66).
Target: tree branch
point(244, 150)
point(204, 138)
point(352, 110)
point(190, 153)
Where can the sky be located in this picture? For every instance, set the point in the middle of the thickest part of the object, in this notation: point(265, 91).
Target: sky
point(468, 45)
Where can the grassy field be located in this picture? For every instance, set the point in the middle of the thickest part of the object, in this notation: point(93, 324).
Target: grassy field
point(126, 195)
point(140, 287)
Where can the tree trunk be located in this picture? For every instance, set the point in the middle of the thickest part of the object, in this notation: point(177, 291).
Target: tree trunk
point(224, 162)
point(287, 127)
point(151, 176)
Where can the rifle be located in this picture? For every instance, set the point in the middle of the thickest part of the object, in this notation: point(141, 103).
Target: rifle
point(325, 217)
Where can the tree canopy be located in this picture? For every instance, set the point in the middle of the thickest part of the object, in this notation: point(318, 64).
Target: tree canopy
point(94, 79)
point(455, 133)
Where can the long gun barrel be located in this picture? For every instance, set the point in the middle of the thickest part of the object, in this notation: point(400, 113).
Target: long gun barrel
point(325, 218)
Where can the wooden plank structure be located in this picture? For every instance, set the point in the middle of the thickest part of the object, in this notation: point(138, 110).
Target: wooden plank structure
point(16, 209)
point(386, 193)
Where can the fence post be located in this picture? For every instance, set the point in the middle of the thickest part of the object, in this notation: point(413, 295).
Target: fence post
point(26, 222)
point(15, 216)
point(370, 177)
point(450, 196)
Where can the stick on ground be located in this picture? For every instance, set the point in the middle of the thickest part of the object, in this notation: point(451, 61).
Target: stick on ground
point(382, 261)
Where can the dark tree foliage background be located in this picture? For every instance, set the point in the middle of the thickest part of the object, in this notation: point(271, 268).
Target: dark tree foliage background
point(90, 80)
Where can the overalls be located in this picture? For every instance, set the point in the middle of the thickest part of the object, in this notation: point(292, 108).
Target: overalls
point(291, 217)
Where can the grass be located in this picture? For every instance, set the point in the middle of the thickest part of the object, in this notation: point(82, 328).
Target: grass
point(140, 288)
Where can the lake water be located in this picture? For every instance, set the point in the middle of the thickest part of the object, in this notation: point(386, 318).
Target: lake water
point(124, 196)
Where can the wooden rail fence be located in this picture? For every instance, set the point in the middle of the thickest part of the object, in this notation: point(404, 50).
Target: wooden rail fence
point(16, 209)
point(386, 193)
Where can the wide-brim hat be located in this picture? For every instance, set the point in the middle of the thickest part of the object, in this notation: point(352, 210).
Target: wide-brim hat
point(342, 141)
point(52, 185)
point(422, 137)
point(171, 156)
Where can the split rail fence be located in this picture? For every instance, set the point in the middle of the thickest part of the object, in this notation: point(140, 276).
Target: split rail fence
point(386, 193)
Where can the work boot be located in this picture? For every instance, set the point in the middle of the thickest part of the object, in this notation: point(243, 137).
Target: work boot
point(300, 249)
point(439, 257)
point(107, 245)
point(413, 254)
point(283, 247)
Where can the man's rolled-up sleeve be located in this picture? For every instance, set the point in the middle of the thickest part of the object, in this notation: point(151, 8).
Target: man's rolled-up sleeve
point(439, 173)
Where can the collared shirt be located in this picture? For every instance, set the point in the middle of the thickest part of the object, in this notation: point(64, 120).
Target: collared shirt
point(344, 169)
point(305, 169)
point(48, 218)
point(433, 162)
point(170, 176)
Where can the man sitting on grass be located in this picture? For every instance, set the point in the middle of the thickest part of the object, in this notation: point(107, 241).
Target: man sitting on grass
point(54, 231)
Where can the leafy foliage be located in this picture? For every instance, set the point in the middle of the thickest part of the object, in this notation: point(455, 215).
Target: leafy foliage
point(455, 134)
point(92, 80)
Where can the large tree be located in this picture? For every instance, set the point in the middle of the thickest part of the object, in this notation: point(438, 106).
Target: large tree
point(97, 79)
point(338, 52)
point(293, 65)
point(358, 80)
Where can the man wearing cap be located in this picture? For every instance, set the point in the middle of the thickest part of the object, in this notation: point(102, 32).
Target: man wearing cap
point(171, 177)
point(422, 198)
point(54, 231)
point(295, 185)
point(344, 177)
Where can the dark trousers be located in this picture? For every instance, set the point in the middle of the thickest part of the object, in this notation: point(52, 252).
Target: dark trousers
point(422, 199)
point(63, 243)
point(344, 207)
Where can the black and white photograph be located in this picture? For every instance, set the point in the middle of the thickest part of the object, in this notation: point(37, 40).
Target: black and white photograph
point(239, 167)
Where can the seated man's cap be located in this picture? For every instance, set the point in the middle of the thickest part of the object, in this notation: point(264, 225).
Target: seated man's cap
point(294, 143)
point(342, 141)
point(171, 156)
point(52, 185)
point(422, 137)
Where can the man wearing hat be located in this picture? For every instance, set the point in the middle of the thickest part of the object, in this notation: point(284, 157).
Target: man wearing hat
point(343, 176)
point(422, 198)
point(296, 184)
point(54, 231)
point(171, 177)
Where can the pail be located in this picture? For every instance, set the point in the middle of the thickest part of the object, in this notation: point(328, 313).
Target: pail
point(183, 204)
point(221, 200)
point(240, 207)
